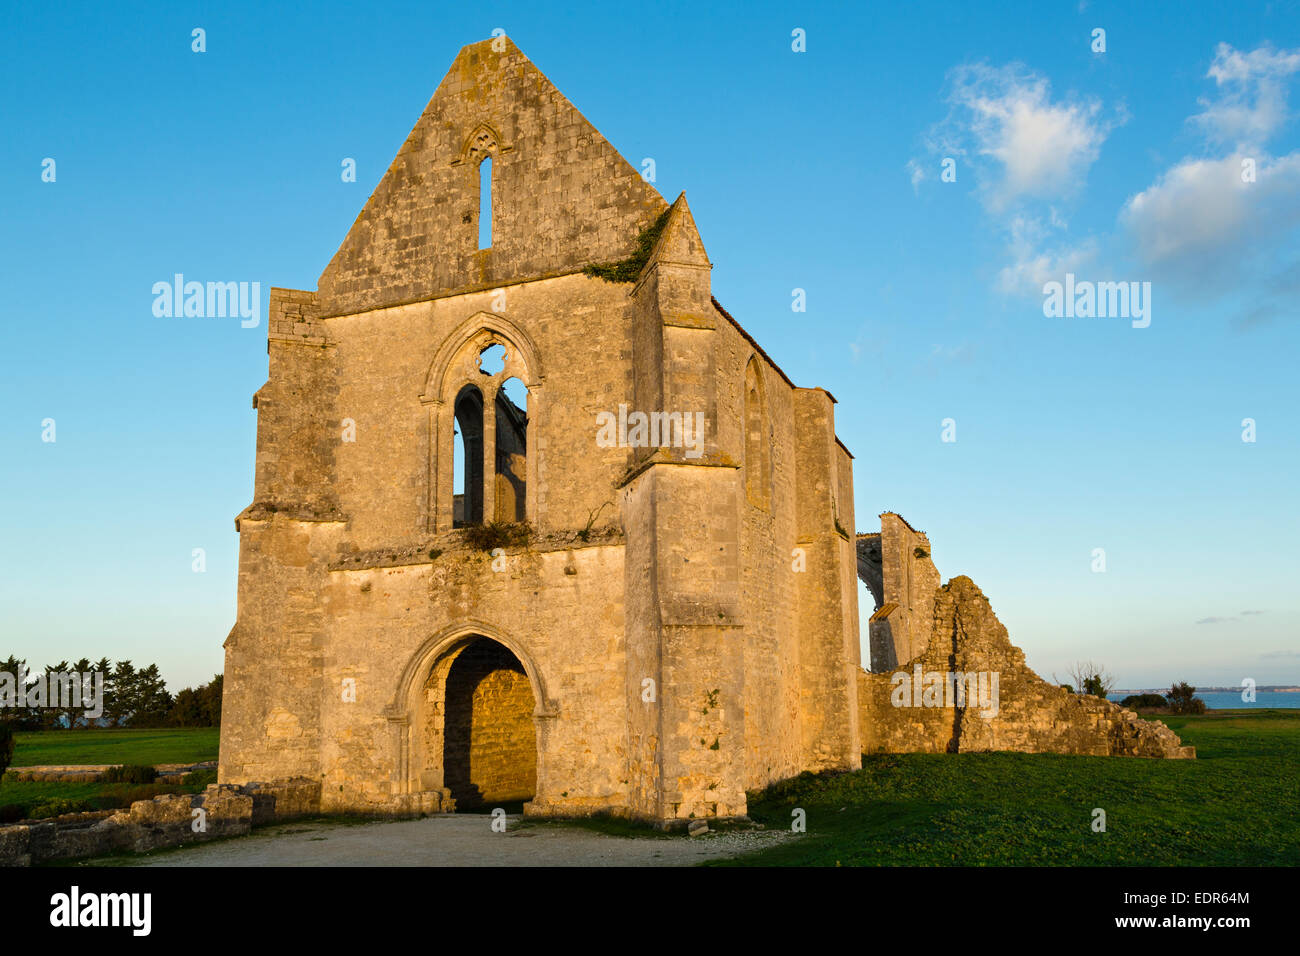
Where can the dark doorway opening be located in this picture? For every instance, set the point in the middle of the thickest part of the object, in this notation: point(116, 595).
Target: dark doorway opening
point(489, 742)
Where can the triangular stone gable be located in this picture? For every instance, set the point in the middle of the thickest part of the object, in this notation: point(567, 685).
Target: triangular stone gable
point(563, 197)
point(680, 241)
point(676, 275)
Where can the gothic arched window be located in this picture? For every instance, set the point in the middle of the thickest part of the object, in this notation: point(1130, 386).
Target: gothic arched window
point(758, 439)
point(481, 392)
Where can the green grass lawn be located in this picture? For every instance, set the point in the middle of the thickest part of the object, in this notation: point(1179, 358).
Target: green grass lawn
point(46, 798)
point(62, 747)
point(169, 745)
point(1235, 805)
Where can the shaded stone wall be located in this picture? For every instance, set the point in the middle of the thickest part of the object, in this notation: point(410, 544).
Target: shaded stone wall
point(511, 460)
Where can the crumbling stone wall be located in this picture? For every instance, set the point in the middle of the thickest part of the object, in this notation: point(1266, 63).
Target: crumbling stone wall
point(165, 821)
point(899, 630)
point(85, 773)
point(962, 635)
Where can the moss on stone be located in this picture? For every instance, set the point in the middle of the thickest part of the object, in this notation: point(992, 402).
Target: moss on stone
point(627, 270)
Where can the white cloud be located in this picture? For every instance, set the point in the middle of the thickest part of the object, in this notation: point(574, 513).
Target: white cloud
point(1200, 206)
point(1252, 101)
point(1036, 258)
point(1204, 227)
point(1042, 149)
point(917, 173)
point(1027, 153)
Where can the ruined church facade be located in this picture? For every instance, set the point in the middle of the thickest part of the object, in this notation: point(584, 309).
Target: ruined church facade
point(535, 520)
point(637, 640)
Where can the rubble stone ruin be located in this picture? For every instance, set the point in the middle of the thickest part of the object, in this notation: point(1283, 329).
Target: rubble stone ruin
point(536, 521)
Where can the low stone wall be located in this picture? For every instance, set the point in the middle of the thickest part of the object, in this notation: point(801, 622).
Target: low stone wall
point(86, 774)
point(92, 773)
point(165, 821)
point(1031, 715)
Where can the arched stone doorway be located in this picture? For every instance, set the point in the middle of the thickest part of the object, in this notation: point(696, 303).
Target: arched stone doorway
point(479, 725)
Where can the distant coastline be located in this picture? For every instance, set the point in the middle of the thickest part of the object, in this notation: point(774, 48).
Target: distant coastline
point(1281, 698)
point(1263, 688)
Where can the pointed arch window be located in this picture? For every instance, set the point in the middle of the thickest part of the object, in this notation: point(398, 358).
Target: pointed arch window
point(485, 203)
point(482, 391)
point(758, 439)
point(467, 487)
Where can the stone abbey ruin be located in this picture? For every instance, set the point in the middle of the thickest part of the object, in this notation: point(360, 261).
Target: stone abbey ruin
point(454, 593)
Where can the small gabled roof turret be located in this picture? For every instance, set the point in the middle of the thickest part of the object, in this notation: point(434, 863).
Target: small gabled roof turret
point(680, 242)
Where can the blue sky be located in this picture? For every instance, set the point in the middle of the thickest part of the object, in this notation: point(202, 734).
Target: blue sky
point(817, 170)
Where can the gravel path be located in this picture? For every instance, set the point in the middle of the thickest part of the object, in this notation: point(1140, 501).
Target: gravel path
point(458, 840)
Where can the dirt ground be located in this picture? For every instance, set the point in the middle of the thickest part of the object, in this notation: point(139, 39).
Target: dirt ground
point(456, 840)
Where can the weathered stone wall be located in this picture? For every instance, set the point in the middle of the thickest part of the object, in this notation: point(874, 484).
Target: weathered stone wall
point(557, 606)
point(769, 579)
point(563, 197)
point(286, 799)
point(899, 630)
point(88, 773)
point(394, 480)
point(272, 692)
point(297, 418)
point(511, 460)
point(1029, 714)
point(285, 536)
point(694, 642)
point(647, 565)
point(827, 654)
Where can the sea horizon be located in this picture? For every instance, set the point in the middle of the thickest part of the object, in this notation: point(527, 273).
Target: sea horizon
point(1229, 700)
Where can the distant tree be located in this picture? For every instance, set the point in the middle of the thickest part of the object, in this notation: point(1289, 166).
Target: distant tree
point(153, 702)
point(1069, 687)
point(18, 718)
point(212, 697)
point(12, 665)
point(1091, 678)
point(121, 701)
point(51, 717)
point(132, 697)
point(187, 709)
point(6, 745)
point(1183, 700)
point(105, 667)
point(137, 698)
point(198, 706)
point(64, 692)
